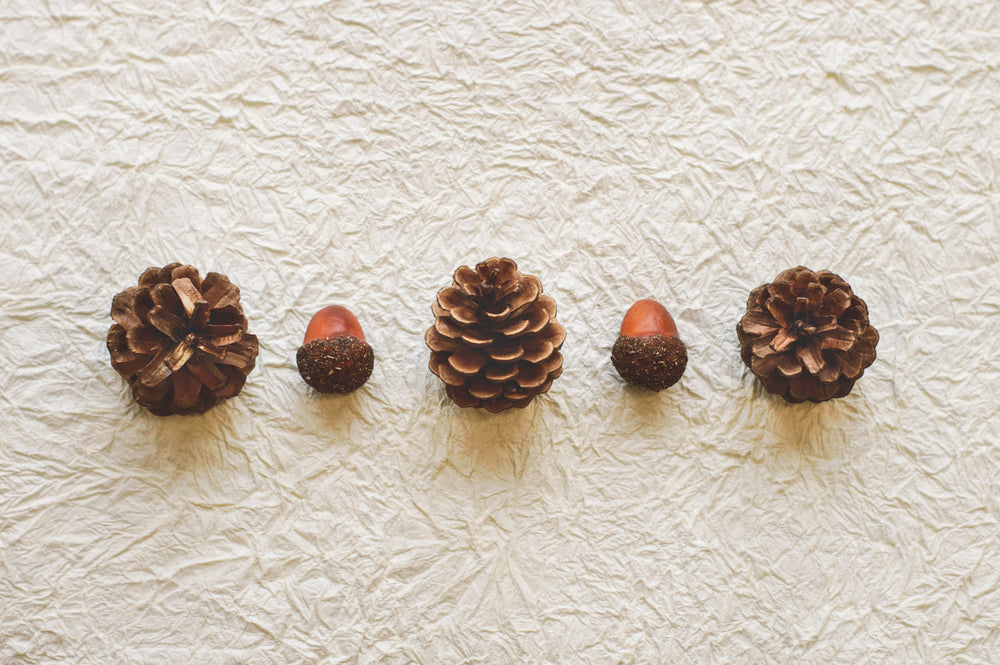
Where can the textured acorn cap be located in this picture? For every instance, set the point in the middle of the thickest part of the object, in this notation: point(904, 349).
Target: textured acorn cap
point(335, 365)
point(654, 361)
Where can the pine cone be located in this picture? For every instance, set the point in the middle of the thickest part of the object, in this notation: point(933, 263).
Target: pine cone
point(181, 342)
point(806, 336)
point(495, 341)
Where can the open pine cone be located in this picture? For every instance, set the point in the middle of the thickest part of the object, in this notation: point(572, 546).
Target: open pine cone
point(495, 341)
point(806, 336)
point(181, 342)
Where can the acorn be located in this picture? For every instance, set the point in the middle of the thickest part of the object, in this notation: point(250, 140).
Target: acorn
point(334, 356)
point(649, 352)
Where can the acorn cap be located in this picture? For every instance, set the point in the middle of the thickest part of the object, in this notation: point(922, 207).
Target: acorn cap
point(337, 364)
point(654, 362)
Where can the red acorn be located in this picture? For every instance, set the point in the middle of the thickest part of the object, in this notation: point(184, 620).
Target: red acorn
point(649, 352)
point(334, 356)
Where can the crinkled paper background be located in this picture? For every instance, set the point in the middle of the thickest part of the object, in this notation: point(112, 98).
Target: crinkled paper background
point(357, 152)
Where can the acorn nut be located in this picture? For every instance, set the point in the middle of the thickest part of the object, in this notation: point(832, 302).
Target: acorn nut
point(649, 353)
point(334, 356)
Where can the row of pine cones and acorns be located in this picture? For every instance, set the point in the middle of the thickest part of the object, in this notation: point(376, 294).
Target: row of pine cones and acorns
point(181, 341)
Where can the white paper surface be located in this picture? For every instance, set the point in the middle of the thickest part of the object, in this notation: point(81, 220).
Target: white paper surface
point(357, 153)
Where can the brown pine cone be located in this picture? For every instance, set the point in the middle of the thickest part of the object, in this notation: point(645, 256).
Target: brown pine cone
point(495, 341)
point(181, 342)
point(806, 336)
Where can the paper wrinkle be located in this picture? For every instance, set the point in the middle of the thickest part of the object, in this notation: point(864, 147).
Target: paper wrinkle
point(357, 153)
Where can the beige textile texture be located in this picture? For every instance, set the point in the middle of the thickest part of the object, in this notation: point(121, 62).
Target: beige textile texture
point(357, 152)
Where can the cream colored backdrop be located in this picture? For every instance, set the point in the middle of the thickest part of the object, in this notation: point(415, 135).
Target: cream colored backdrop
point(357, 152)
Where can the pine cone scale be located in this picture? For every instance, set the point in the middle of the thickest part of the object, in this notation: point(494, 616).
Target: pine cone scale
point(182, 291)
point(836, 303)
point(788, 366)
point(781, 312)
point(552, 365)
point(554, 334)
point(481, 388)
point(151, 276)
point(498, 373)
point(520, 326)
point(434, 339)
point(755, 323)
point(223, 294)
point(121, 308)
point(165, 297)
point(156, 370)
point(850, 361)
point(461, 396)
point(167, 323)
point(142, 305)
point(870, 339)
point(538, 320)
point(515, 393)
point(840, 338)
point(467, 279)
point(207, 373)
point(235, 379)
point(507, 351)
point(762, 345)
point(809, 355)
point(144, 341)
point(536, 350)
point(187, 388)
point(829, 373)
point(241, 355)
point(825, 322)
point(452, 297)
point(188, 272)
point(446, 328)
point(530, 376)
point(450, 375)
point(463, 315)
point(152, 397)
point(223, 334)
point(201, 315)
point(118, 345)
point(528, 293)
point(495, 316)
point(476, 337)
point(763, 366)
point(467, 361)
